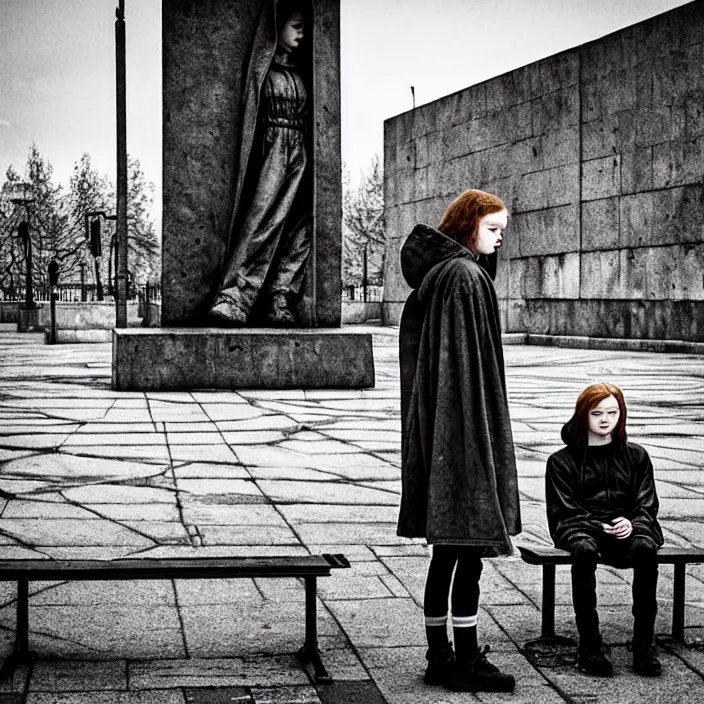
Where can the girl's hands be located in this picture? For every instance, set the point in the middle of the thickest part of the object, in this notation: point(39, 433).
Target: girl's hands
point(620, 529)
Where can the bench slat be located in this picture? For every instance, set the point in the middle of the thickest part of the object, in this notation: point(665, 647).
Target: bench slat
point(667, 555)
point(181, 568)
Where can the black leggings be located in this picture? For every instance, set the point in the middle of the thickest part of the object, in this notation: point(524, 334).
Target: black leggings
point(466, 563)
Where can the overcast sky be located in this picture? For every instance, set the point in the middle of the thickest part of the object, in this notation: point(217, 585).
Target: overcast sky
point(57, 66)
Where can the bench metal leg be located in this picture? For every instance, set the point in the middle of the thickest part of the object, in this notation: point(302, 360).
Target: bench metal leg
point(548, 608)
point(678, 603)
point(310, 651)
point(20, 652)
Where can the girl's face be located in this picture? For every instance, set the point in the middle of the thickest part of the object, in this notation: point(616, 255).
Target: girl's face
point(291, 33)
point(490, 233)
point(604, 416)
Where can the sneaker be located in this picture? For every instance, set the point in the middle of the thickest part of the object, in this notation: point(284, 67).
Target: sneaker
point(645, 661)
point(439, 662)
point(479, 676)
point(592, 660)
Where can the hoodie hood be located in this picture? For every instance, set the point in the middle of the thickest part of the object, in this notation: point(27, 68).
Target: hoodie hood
point(426, 247)
point(571, 436)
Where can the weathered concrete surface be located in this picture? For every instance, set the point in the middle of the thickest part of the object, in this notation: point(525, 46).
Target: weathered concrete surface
point(205, 49)
point(166, 359)
point(597, 153)
point(88, 471)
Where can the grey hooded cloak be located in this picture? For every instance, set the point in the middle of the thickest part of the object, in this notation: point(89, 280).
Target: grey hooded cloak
point(459, 480)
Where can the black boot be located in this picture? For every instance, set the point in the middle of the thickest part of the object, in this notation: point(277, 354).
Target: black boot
point(439, 662)
point(645, 660)
point(592, 660)
point(479, 675)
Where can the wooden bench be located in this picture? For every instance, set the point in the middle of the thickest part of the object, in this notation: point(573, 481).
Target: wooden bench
point(309, 567)
point(548, 557)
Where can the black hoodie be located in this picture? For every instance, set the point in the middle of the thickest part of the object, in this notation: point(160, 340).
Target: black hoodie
point(586, 486)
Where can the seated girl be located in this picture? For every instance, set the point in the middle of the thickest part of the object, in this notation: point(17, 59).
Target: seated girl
point(601, 500)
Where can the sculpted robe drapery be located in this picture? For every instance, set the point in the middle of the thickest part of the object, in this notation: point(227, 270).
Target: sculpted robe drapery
point(459, 481)
point(271, 224)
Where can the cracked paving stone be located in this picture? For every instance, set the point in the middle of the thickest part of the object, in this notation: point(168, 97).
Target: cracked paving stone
point(280, 670)
point(324, 493)
point(120, 494)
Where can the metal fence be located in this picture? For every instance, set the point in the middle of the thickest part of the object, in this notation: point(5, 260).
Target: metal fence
point(88, 292)
point(369, 293)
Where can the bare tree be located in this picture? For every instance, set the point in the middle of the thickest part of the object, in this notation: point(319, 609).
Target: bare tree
point(363, 227)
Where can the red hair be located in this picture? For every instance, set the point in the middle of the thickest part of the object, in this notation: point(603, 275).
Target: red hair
point(461, 219)
point(591, 397)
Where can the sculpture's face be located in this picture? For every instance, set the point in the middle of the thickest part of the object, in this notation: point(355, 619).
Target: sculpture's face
point(604, 416)
point(490, 233)
point(292, 32)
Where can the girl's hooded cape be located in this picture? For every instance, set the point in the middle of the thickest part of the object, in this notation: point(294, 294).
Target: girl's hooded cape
point(630, 483)
point(459, 481)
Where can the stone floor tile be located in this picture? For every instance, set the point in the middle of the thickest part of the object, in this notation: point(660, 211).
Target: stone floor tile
point(208, 397)
point(180, 438)
point(299, 694)
point(231, 411)
point(323, 493)
point(105, 631)
point(365, 533)
point(232, 515)
point(201, 592)
point(173, 696)
point(109, 439)
point(138, 592)
point(147, 453)
point(83, 676)
point(176, 551)
point(252, 627)
point(123, 416)
point(265, 422)
point(380, 622)
point(19, 508)
point(103, 428)
point(203, 453)
point(136, 511)
point(247, 535)
point(305, 513)
point(120, 494)
point(293, 473)
point(71, 532)
point(206, 470)
point(252, 437)
point(281, 670)
point(201, 487)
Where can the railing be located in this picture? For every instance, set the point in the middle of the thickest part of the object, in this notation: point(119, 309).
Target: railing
point(75, 293)
point(369, 293)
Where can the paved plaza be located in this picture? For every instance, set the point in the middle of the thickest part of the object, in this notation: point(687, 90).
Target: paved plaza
point(90, 472)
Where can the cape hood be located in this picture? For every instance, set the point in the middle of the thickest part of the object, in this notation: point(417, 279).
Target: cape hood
point(426, 247)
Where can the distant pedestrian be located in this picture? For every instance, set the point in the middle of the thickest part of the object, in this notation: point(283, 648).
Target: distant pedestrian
point(601, 500)
point(460, 489)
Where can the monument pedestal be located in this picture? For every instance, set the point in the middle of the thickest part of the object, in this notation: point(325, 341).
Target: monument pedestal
point(170, 359)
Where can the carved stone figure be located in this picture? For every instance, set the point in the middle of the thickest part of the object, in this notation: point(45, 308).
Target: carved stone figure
point(271, 225)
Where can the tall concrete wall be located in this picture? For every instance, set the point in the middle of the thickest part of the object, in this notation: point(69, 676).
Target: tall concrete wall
point(598, 153)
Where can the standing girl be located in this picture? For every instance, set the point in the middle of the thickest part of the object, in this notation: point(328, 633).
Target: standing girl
point(460, 489)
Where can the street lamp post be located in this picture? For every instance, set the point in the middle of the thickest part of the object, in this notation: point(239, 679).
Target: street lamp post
point(121, 110)
point(21, 194)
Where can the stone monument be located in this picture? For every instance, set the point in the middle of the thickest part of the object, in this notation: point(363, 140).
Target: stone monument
point(251, 285)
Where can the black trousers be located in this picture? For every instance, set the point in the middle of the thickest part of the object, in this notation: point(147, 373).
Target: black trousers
point(645, 581)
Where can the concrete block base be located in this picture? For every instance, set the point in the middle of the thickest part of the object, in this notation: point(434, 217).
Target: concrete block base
point(160, 359)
